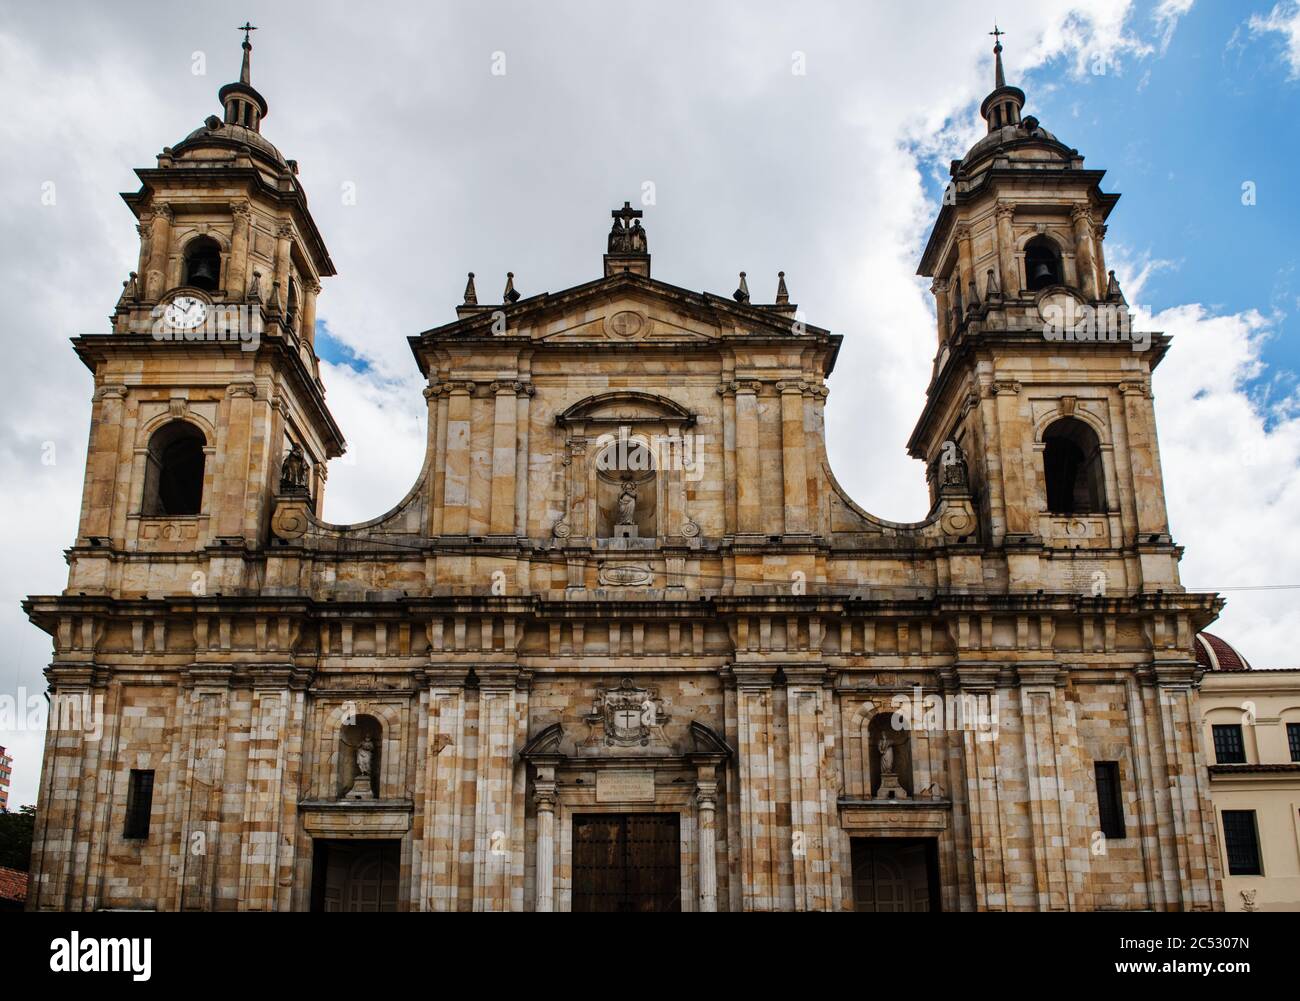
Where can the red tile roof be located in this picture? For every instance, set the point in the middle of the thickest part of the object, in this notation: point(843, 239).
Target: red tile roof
point(1214, 654)
point(13, 884)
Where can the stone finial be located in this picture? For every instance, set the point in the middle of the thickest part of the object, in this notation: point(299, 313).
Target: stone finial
point(471, 296)
point(741, 294)
point(973, 296)
point(511, 294)
point(991, 285)
point(782, 293)
point(1113, 291)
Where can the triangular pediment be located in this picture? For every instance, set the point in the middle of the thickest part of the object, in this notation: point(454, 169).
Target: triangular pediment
point(624, 308)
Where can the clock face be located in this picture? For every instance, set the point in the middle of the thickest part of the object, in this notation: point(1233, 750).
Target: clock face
point(186, 312)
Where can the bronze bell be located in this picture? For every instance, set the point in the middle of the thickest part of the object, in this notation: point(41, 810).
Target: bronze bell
point(204, 274)
point(1043, 274)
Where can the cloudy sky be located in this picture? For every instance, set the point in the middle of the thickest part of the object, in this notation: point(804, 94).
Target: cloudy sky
point(832, 174)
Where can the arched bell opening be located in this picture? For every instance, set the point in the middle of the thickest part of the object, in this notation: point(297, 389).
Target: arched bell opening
point(173, 479)
point(1072, 468)
point(202, 264)
point(1042, 264)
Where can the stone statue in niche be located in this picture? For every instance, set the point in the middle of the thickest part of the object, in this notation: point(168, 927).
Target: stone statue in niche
point(886, 756)
point(887, 761)
point(627, 503)
point(293, 472)
point(363, 757)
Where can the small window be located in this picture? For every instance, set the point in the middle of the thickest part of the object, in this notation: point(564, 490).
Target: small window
point(139, 804)
point(1241, 843)
point(173, 481)
point(203, 264)
point(1072, 468)
point(1042, 264)
point(1229, 747)
point(1110, 802)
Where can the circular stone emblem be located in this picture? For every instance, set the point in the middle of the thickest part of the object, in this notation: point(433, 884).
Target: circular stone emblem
point(626, 323)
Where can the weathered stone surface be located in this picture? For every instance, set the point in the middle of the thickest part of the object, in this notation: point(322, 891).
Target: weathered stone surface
point(773, 625)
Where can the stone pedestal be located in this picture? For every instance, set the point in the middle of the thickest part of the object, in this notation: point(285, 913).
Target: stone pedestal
point(360, 789)
point(890, 788)
point(625, 532)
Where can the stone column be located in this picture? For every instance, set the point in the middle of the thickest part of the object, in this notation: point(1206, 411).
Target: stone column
point(813, 823)
point(706, 798)
point(939, 289)
point(107, 419)
point(307, 328)
point(794, 464)
point(441, 791)
point(237, 266)
point(965, 265)
point(1007, 251)
point(1083, 249)
point(759, 834)
point(498, 867)
point(455, 492)
point(502, 516)
point(282, 237)
point(1144, 459)
point(231, 487)
point(544, 797)
point(160, 241)
point(274, 711)
point(521, 462)
point(748, 485)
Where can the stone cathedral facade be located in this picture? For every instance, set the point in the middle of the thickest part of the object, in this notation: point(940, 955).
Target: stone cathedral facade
point(626, 644)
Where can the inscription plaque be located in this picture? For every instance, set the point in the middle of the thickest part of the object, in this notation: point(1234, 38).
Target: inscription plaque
point(625, 787)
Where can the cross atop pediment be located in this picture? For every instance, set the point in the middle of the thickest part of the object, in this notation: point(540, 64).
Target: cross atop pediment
point(626, 237)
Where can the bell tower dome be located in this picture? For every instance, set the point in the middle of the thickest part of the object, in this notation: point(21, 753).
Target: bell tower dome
point(209, 379)
point(1039, 380)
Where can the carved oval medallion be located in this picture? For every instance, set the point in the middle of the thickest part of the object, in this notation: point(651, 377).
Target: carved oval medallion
point(626, 323)
point(625, 575)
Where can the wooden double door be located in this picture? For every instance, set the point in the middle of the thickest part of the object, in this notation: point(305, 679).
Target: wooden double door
point(893, 875)
point(627, 862)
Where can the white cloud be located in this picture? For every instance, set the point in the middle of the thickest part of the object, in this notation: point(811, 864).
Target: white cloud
point(1166, 16)
point(1284, 20)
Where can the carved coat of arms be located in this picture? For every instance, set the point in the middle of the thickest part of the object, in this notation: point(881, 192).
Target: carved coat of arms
point(627, 714)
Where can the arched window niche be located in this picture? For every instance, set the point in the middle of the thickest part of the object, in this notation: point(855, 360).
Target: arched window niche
point(891, 757)
point(359, 758)
point(626, 489)
point(1072, 468)
point(173, 478)
point(202, 264)
point(1043, 267)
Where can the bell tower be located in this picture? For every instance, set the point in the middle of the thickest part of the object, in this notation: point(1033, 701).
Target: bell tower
point(1040, 385)
point(209, 378)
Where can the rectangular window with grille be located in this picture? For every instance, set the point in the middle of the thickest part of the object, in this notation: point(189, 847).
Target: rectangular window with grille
point(1110, 801)
point(139, 804)
point(1241, 843)
point(1293, 740)
point(1229, 747)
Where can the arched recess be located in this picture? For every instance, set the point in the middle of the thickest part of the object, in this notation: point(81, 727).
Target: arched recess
point(1044, 264)
point(364, 735)
point(175, 464)
point(203, 263)
point(331, 769)
point(1074, 475)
